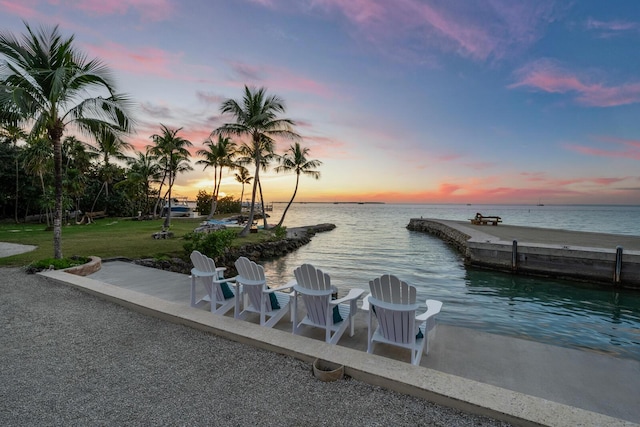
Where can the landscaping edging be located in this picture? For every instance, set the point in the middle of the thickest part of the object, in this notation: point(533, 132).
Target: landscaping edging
point(92, 266)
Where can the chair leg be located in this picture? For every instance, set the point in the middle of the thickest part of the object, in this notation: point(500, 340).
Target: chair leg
point(193, 291)
point(370, 332)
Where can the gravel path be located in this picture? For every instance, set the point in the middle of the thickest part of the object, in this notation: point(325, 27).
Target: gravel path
point(68, 358)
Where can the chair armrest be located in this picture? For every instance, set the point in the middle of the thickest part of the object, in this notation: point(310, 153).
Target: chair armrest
point(284, 287)
point(230, 279)
point(433, 308)
point(352, 295)
point(365, 302)
point(199, 273)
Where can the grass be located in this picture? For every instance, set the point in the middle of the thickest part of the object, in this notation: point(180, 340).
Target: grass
point(106, 238)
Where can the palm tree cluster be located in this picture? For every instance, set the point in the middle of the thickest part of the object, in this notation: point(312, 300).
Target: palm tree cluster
point(51, 95)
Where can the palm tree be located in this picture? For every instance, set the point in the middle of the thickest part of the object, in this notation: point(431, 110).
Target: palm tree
point(266, 155)
point(77, 156)
point(110, 145)
point(243, 178)
point(172, 151)
point(218, 155)
point(37, 160)
point(295, 159)
point(46, 81)
point(143, 170)
point(256, 116)
point(12, 134)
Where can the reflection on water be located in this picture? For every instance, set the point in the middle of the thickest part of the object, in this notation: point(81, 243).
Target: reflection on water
point(371, 240)
point(557, 312)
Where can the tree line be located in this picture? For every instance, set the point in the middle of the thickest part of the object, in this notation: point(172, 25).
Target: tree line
point(52, 97)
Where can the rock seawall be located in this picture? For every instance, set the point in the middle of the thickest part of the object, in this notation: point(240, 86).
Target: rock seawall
point(450, 235)
point(256, 252)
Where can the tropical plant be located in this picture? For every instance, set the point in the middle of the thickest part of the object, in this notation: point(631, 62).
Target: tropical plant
point(47, 82)
point(173, 156)
point(211, 244)
point(143, 171)
point(256, 116)
point(110, 145)
point(247, 155)
point(77, 156)
point(12, 134)
point(218, 155)
point(295, 159)
point(243, 177)
point(38, 160)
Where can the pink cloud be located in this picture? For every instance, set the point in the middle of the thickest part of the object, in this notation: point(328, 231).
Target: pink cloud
point(22, 9)
point(606, 29)
point(459, 27)
point(276, 79)
point(590, 151)
point(628, 142)
point(148, 10)
point(142, 61)
point(548, 76)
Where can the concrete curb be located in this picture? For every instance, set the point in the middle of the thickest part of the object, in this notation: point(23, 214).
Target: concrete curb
point(441, 388)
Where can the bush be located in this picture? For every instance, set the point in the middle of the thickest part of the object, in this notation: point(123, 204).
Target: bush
point(226, 205)
point(203, 202)
point(211, 244)
point(57, 264)
point(280, 232)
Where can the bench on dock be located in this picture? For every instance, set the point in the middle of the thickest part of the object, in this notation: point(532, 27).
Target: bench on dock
point(485, 220)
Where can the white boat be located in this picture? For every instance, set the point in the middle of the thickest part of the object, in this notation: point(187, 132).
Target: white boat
point(179, 208)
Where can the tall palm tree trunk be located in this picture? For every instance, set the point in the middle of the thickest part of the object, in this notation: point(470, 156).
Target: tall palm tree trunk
point(256, 180)
point(264, 215)
point(17, 186)
point(290, 201)
point(55, 133)
point(155, 208)
point(167, 220)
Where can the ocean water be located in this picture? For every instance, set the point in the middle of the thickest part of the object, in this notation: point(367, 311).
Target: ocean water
point(372, 239)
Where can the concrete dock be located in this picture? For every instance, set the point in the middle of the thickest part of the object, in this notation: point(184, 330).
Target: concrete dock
point(519, 381)
point(595, 257)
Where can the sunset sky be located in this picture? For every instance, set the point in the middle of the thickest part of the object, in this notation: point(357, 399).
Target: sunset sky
point(409, 101)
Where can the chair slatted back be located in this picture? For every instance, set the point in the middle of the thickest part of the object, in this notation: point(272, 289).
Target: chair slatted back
point(315, 288)
point(250, 271)
point(396, 315)
point(203, 263)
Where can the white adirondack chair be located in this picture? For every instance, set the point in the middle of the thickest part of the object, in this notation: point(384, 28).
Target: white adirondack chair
point(314, 288)
point(205, 272)
point(393, 303)
point(257, 297)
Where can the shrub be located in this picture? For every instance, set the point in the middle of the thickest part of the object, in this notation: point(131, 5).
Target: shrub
point(203, 202)
point(57, 264)
point(212, 244)
point(280, 232)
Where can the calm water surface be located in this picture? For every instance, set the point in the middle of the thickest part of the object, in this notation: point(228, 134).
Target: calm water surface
point(371, 240)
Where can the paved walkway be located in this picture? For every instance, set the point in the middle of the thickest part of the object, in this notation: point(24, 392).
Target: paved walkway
point(511, 379)
point(9, 249)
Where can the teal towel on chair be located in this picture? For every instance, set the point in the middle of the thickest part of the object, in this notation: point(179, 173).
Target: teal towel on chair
point(274, 302)
point(226, 291)
point(336, 315)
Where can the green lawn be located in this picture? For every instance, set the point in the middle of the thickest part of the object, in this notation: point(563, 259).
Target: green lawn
point(106, 238)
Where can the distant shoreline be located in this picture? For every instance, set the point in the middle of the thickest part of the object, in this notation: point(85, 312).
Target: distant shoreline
point(338, 203)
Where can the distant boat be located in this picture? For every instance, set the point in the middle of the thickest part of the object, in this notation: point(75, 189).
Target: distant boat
point(540, 202)
point(179, 208)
